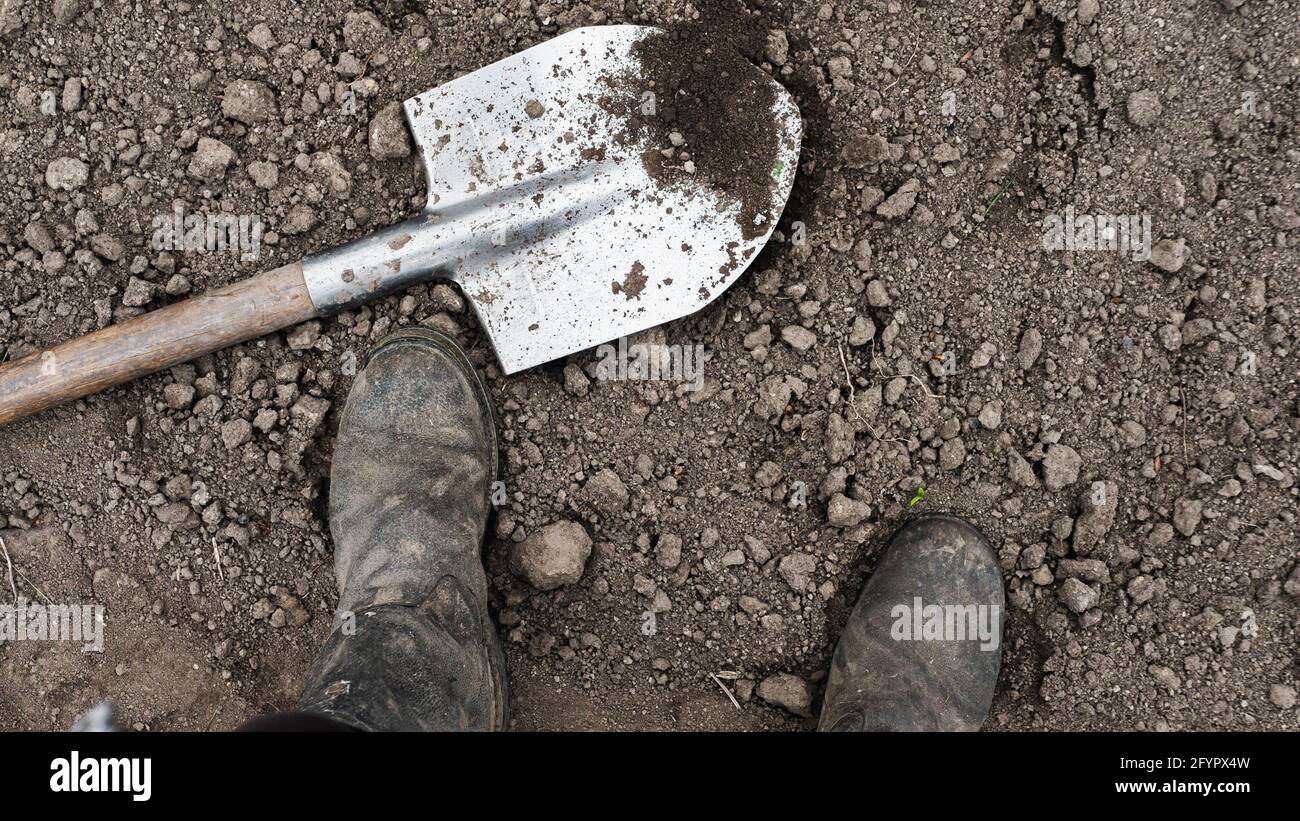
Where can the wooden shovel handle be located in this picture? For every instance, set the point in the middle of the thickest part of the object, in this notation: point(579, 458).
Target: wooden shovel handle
point(157, 340)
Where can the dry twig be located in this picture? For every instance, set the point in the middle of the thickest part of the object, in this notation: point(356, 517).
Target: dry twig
point(725, 689)
point(5, 550)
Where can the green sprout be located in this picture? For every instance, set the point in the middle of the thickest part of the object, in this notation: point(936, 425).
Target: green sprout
point(917, 497)
point(776, 172)
point(995, 199)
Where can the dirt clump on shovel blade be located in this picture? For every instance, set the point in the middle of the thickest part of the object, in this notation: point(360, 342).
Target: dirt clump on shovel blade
point(711, 121)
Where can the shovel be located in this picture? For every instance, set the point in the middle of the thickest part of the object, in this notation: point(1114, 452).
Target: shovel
point(542, 205)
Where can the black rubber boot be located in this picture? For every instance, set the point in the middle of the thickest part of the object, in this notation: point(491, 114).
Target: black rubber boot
point(414, 647)
point(896, 668)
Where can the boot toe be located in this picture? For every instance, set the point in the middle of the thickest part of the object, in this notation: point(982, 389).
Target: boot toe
point(412, 382)
point(922, 648)
point(943, 557)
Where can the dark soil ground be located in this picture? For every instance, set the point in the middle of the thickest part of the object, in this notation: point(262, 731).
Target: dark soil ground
point(1124, 430)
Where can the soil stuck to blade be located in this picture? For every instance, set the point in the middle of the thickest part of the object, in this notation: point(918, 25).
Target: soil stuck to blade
point(711, 121)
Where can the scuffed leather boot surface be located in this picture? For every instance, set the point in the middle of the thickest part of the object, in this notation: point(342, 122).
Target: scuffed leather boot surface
point(888, 675)
point(414, 647)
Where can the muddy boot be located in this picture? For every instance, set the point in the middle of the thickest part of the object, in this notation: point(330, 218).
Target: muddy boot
point(903, 664)
point(413, 647)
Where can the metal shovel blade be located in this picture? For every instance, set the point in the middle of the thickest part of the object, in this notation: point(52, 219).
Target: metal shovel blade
point(542, 208)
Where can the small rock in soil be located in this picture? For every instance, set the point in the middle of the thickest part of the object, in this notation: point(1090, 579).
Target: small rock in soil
point(553, 556)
